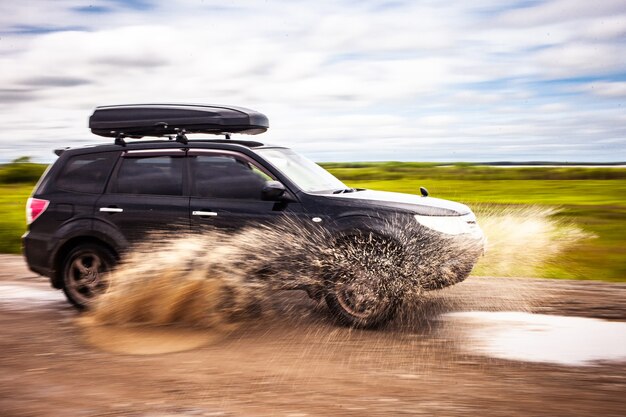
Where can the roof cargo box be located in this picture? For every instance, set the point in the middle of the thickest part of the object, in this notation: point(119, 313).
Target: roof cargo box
point(140, 120)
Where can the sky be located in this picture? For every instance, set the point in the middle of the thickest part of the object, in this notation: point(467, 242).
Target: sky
point(340, 80)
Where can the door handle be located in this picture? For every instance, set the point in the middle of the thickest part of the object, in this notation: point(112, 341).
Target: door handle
point(111, 209)
point(203, 213)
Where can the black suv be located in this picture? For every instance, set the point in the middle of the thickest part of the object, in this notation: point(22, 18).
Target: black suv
point(94, 202)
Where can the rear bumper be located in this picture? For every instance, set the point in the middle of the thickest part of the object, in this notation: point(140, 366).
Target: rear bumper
point(36, 252)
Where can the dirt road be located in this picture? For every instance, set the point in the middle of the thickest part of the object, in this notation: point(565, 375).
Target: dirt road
point(296, 362)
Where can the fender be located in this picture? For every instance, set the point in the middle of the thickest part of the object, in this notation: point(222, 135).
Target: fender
point(83, 229)
point(88, 228)
point(110, 234)
point(360, 222)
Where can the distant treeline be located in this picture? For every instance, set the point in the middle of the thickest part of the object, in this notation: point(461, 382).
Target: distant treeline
point(372, 171)
point(21, 171)
point(544, 163)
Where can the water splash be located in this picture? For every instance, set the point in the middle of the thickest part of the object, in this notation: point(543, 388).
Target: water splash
point(522, 241)
point(215, 279)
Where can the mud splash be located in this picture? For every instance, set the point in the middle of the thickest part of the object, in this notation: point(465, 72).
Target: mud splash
point(214, 277)
point(145, 340)
point(523, 241)
point(212, 282)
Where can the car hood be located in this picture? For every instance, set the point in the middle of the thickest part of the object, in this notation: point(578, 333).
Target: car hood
point(427, 206)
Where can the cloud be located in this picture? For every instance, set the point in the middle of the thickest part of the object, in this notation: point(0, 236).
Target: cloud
point(581, 59)
point(93, 9)
point(605, 89)
point(16, 95)
point(547, 12)
point(338, 79)
point(37, 30)
point(55, 81)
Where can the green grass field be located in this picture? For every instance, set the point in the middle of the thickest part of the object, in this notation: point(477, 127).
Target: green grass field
point(13, 215)
point(590, 199)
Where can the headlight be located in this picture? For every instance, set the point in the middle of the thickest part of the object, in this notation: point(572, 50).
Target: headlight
point(450, 225)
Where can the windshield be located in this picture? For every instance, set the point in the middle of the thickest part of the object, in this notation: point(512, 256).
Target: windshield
point(307, 175)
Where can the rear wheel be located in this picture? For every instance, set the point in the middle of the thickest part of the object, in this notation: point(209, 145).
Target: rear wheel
point(83, 271)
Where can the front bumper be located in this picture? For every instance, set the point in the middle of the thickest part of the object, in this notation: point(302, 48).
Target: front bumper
point(450, 226)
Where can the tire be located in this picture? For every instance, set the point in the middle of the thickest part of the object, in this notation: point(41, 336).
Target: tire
point(358, 287)
point(83, 269)
point(347, 312)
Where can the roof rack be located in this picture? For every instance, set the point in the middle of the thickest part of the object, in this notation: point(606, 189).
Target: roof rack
point(157, 120)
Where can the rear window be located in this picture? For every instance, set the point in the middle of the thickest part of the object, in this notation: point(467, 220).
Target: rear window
point(86, 173)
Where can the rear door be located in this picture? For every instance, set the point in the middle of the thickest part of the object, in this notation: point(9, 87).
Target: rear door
point(74, 191)
point(147, 194)
point(226, 189)
point(71, 190)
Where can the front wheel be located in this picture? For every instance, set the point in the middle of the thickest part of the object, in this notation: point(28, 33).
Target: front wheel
point(357, 304)
point(83, 269)
point(362, 284)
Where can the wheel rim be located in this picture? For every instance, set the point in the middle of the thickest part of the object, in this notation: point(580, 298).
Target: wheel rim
point(84, 277)
point(360, 297)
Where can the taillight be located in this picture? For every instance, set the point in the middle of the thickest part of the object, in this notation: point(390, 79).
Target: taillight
point(34, 208)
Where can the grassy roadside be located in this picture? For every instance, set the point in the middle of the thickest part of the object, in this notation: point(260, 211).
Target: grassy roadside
point(13, 215)
point(591, 199)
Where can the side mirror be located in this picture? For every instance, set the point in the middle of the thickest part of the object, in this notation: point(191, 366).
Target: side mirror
point(273, 191)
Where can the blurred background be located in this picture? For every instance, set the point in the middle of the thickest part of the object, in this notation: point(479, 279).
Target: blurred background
point(366, 80)
point(447, 83)
point(540, 221)
point(515, 108)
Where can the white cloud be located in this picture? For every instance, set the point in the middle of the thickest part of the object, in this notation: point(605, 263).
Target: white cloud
point(574, 60)
point(355, 78)
point(605, 89)
point(561, 10)
point(608, 27)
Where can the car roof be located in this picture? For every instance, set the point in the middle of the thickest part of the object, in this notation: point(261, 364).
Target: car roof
point(232, 144)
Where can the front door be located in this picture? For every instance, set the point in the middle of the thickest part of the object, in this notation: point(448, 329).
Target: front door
point(226, 192)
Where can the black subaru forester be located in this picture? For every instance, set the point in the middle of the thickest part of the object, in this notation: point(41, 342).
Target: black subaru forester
point(95, 202)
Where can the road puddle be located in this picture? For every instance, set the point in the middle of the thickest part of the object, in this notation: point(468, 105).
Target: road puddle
point(24, 296)
point(562, 340)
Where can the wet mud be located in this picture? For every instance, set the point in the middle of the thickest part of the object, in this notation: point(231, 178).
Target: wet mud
point(210, 325)
point(299, 362)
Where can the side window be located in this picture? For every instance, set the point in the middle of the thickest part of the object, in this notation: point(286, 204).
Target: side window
point(225, 176)
point(158, 175)
point(86, 173)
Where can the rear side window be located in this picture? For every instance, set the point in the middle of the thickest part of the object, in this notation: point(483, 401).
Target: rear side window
point(157, 175)
point(86, 173)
